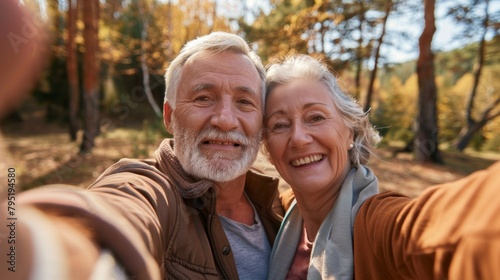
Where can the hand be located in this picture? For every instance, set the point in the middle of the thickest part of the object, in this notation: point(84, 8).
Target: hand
point(48, 246)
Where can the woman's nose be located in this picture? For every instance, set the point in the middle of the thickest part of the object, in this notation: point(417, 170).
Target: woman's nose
point(300, 135)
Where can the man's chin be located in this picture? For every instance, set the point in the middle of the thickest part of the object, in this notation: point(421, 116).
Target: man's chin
point(221, 177)
point(221, 170)
point(222, 157)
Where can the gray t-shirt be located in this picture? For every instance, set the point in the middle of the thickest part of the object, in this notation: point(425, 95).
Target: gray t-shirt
point(250, 246)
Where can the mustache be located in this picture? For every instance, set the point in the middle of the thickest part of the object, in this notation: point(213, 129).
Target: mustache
point(230, 136)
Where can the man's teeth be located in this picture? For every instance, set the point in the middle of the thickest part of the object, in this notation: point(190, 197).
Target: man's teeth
point(222, 143)
point(306, 160)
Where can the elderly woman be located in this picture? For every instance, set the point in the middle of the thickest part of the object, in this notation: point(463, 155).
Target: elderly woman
point(337, 227)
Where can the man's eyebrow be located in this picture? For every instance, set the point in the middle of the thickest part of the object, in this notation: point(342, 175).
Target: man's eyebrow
point(247, 90)
point(201, 87)
point(209, 86)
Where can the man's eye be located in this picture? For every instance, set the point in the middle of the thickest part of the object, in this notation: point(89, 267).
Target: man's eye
point(245, 101)
point(201, 98)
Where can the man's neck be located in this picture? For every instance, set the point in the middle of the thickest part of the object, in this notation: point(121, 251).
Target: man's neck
point(232, 202)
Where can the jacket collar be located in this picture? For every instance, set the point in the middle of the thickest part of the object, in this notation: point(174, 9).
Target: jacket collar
point(261, 188)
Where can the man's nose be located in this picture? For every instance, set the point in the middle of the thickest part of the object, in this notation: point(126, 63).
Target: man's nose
point(225, 116)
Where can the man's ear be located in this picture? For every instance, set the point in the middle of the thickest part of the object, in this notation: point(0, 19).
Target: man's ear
point(167, 117)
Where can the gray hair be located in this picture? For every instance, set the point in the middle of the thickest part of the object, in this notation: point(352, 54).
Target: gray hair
point(305, 67)
point(216, 42)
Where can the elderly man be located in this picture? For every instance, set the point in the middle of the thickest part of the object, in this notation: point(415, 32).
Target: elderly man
point(197, 210)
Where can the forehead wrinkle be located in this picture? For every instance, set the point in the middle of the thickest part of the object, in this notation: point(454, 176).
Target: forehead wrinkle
point(277, 112)
point(202, 86)
point(282, 112)
point(306, 106)
point(309, 105)
point(247, 90)
point(210, 86)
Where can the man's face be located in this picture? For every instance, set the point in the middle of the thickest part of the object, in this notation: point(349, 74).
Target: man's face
point(218, 116)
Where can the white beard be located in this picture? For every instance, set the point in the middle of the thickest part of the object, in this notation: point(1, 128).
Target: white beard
point(218, 166)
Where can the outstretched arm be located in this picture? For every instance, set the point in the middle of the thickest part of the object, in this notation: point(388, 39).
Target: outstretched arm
point(123, 216)
point(450, 231)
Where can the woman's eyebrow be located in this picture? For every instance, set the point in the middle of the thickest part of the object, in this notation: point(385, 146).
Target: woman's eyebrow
point(308, 105)
point(277, 112)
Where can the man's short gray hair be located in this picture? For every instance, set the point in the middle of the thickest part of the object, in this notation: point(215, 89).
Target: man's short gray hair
point(216, 42)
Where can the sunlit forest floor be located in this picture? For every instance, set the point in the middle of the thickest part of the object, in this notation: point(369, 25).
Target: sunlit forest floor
point(42, 154)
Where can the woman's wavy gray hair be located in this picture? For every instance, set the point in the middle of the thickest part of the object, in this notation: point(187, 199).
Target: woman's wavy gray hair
point(306, 67)
point(216, 42)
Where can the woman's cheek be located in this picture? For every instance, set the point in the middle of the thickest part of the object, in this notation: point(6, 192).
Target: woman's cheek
point(274, 146)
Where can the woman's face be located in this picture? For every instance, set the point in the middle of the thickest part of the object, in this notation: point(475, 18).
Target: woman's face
point(306, 137)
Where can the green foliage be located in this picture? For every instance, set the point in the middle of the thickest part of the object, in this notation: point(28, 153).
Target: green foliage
point(147, 140)
point(454, 64)
point(52, 91)
point(493, 144)
point(454, 80)
point(402, 71)
point(395, 112)
point(476, 142)
point(280, 23)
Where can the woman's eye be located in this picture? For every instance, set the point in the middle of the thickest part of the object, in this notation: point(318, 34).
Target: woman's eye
point(317, 118)
point(278, 126)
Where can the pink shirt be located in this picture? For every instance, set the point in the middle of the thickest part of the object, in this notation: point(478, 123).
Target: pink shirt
point(300, 264)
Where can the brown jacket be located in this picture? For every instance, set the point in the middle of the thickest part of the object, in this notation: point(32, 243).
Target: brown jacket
point(136, 211)
point(451, 231)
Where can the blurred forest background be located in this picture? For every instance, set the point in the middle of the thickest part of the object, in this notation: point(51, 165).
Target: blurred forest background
point(100, 97)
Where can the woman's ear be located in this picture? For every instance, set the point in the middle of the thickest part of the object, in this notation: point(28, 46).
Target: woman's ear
point(167, 117)
point(350, 141)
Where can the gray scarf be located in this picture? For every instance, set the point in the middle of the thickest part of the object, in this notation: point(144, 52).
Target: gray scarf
point(188, 186)
point(332, 252)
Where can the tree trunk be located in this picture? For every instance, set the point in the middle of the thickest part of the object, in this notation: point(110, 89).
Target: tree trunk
point(468, 131)
point(473, 125)
point(426, 137)
point(373, 76)
point(359, 53)
point(144, 65)
point(72, 67)
point(90, 80)
point(466, 136)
